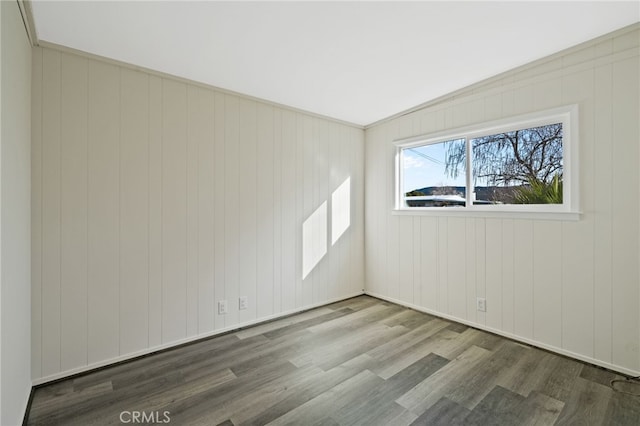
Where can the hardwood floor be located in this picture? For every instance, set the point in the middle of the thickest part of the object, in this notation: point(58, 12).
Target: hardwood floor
point(358, 362)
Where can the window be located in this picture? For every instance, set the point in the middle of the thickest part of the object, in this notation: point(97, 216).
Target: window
point(429, 181)
point(523, 164)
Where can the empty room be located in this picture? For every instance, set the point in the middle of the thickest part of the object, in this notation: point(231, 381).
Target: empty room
point(319, 213)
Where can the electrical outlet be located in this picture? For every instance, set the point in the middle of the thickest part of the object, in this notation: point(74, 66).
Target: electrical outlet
point(243, 302)
point(481, 304)
point(222, 307)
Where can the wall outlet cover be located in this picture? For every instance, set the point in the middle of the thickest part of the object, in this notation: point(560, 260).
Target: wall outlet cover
point(481, 304)
point(243, 302)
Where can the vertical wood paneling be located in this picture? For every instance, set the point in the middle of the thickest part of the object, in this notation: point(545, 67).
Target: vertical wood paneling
point(547, 94)
point(443, 265)
point(470, 269)
point(342, 250)
point(37, 158)
point(309, 205)
point(232, 206)
point(290, 258)
point(51, 154)
point(16, 130)
point(277, 209)
point(578, 271)
point(456, 260)
point(219, 205)
point(335, 255)
point(174, 210)
point(266, 200)
point(481, 265)
point(523, 99)
point(405, 126)
point(321, 193)
point(155, 199)
point(461, 115)
point(194, 131)
point(493, 107)
point(155, 211)
point(391, 256)
point(427, 121)
point(359, 218)
point(373, 214)
point(571, 285)
point(448, 116)
point(508, 104)
point(301, 163)
point(197, 215)
point(202, 130)
point(547, 282)
point(247, 163)
point(134, 211)
point(494, 262)
point(417, 255)
point(577, 288)
point(311, 136)
point(383, 165)
point(352, 167)
point(381, 271)
point(625, 289)
point(103, 139)
point(73, 211)
point(508, 299)
point(405, 260)
point(346, 247)
point(477, 111)
point(523, 278)
point(603, 214)
point(429, 261)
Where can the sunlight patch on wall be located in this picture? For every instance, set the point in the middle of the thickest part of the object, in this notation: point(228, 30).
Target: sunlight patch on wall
point(314, 239)
point(340, 210)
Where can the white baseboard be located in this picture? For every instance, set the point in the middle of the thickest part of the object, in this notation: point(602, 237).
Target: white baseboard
point(129, 356)
point(511, 336)
point(107, 362)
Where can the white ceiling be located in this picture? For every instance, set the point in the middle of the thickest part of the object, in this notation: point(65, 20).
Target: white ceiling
point(354, 61)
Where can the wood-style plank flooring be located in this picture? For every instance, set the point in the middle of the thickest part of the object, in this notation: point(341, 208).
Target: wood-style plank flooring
point(362, 361)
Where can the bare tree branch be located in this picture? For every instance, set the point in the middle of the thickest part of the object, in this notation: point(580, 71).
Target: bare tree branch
point(517, 157)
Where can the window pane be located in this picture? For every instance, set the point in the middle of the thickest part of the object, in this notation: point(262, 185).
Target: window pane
point(519, 167)
point(434, 175)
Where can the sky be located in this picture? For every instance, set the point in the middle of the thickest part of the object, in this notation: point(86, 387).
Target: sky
point(424, 166)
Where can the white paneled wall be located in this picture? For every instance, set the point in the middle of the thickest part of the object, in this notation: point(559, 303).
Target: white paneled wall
point(155, 198)
point(15, 207)
point(572, 286)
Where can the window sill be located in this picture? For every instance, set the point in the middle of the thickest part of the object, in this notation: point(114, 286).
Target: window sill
point(502, 214)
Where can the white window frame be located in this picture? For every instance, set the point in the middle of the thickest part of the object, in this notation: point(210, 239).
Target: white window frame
point(568, 210)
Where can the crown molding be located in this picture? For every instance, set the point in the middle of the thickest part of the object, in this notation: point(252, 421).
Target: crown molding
point(27, 19)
